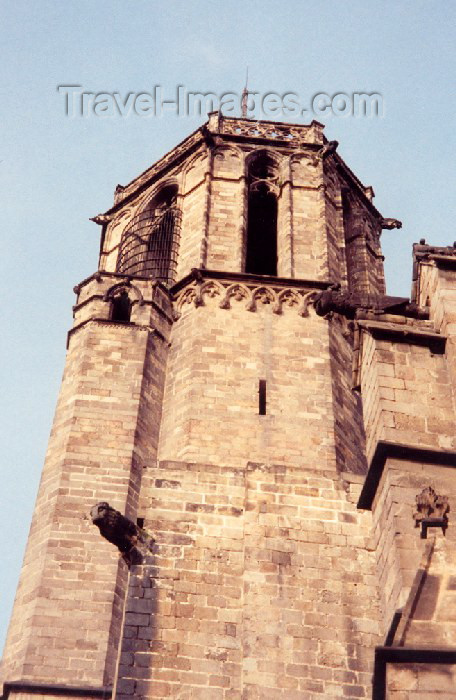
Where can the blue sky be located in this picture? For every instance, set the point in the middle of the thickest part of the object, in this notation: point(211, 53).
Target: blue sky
point(56, 172)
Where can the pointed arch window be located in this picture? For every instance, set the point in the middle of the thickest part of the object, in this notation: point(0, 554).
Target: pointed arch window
point(261, 236)
point(150, 244)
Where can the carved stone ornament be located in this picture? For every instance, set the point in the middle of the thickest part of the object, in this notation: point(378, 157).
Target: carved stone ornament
point(252, 296)
point(101, 219)
point(328, 149)
point(335, 300)
point(431, 511)
point(132, 541)
point(391, 223)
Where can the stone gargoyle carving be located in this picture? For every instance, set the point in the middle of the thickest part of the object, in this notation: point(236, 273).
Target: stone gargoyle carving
point(328, 149)
point(333, 299)
point(101, 219)
point(348, 304)
point(391, 223)
point(431, 510)
point(132, 541)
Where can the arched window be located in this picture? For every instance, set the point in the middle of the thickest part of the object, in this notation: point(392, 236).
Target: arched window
point(161, 236)
point(261, 239)
point(121, 308)
point(150, 243)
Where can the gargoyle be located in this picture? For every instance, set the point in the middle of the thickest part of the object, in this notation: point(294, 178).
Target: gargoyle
point(333, 299)
point(101, 219)
point(328, 149)
point(120, 531)
point(349, 304)
point(391, 223)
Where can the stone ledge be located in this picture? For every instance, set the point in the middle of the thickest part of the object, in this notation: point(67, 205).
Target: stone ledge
point(116, 324)
point(410, 453)
point(263, 280)
point(405, 655)
point(402, 333)
point(445, 262)
point(35, 688)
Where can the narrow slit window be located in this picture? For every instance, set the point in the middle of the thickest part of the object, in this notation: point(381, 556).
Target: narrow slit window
point(262, 397)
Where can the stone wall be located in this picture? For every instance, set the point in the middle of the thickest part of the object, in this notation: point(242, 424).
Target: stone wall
point(266, 580)
point(407, 380)
point(66, 621)
point(262, 585)
point(421, 681)
point(217, 357)
point(405, 384)
point(211, 178)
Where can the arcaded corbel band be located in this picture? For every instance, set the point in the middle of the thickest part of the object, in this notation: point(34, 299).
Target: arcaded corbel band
point(132, 541)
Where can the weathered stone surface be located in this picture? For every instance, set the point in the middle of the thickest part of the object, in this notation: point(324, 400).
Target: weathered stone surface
point(240, 427)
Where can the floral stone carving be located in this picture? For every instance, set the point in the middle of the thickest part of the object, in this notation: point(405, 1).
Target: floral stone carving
point(431, 511)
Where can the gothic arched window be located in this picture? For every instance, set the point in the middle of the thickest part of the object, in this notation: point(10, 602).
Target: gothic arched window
point(161, 236)
point(261, 238)
point(150, 243)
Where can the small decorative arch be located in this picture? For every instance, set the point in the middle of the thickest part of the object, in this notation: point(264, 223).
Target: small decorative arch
point(303, 166)
point(120, 295)
point(263, 164)
point(125, 285)
point(287, 297)
point(264, 295)
point(193, 171)
point(228, 161)
point(188, 296)
point(236, 291)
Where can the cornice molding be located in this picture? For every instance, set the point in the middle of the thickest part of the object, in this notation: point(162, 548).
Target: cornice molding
point(405, 655)
point(252, 290)
point(247, 278)
point(408, 453)
point(404, 333)
point(130, 325)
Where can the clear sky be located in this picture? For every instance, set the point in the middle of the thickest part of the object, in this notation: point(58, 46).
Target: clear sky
point(57, 171)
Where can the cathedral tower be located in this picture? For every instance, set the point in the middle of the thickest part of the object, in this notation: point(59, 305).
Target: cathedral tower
point(212, 393)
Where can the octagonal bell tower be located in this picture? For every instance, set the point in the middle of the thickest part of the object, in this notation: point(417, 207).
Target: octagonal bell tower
point(203, 395)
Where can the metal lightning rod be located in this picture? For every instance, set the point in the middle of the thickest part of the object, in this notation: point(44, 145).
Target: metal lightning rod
point(245, 96)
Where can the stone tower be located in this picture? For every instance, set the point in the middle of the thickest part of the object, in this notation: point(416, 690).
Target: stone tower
point(239, 385)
